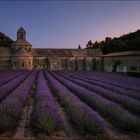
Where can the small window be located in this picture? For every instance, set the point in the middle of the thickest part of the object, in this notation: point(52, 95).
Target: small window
point(22, 64)
point(29, 49)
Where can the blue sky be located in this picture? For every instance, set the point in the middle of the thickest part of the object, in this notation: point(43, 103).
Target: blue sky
point(66, 24)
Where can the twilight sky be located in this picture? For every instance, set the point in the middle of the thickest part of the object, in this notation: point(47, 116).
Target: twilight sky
point(66, 24)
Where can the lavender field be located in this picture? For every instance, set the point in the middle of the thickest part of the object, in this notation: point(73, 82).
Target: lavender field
point(69, 105)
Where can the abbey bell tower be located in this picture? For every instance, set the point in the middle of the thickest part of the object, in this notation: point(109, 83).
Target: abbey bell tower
point(21, 57)
point(21, 34)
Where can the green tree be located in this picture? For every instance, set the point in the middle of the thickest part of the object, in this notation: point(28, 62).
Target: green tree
point(89, 44)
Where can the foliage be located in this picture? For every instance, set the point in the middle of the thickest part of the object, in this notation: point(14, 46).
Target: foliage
point(5, 40)
point(129, 42)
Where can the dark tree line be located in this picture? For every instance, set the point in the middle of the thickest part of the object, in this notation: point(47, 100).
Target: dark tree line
point(128, 42)
point(5, 41)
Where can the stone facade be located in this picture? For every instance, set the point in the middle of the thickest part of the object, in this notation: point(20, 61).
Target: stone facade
point(21, 55)
point(65, 59)
point(122, 62)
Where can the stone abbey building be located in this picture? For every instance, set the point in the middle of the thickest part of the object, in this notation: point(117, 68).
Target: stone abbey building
point(21, 55)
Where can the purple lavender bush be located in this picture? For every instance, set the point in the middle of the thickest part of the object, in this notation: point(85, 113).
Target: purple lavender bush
point(81, 116)
point(7, 88)
point(10, 78)
point(120, 90)
point(113, 112)
point(130, 104)
point(115, 80)
point(45, 116)
point(11, 107)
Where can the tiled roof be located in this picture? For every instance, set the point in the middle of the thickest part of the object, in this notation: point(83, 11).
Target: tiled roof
point(128, 53)
point(65, 52)
point(21, 52)
point(21, 29)
point(21, 42)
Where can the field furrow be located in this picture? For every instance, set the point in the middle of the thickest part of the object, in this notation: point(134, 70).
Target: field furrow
point(69, 105)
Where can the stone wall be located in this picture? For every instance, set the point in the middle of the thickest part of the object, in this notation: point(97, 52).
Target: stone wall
point(66, 59)
point(22, 62)
point(5, 63)
point(53, 59)
point(122, 62)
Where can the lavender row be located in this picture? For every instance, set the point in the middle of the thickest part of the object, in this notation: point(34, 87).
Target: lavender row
point(45, 116)
point(115, 89)
point(10, 78)
point(11, 107)
point(122, 84)
point(81, 116)
point(4, 74)
point(6, 89)
point(96, 76)
point(113, 112)
point(119, 90)
point(130, 104)
point(115, 77)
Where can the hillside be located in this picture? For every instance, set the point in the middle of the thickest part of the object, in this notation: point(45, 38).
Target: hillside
point(128, 42)
point(5, 41)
